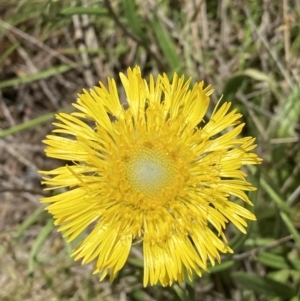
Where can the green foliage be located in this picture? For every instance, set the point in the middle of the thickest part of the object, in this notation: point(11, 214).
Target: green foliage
point(36, 76)
point(264, 285)
point(252, 62)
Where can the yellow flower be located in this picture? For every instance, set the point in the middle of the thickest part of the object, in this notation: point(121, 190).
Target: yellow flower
point(155, 173)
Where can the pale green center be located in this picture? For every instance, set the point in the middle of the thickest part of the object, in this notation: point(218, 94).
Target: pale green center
point(150, 170)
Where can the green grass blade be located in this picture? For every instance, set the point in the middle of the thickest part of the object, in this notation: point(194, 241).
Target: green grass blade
point(221, 266)
point(263, 285)
point(136, 262)
point(133, 19)
point(29, 221)
point(139, 295)
point(7, 52)
point(33, 77)
point(273, 192)
point(285, 211)
point(236, 81)
point(38, 243)
point(26, 125)
point(182, 294)
point(167, 45)
point(288, 114)
point(32, 123)
point(70, 11)
point(277, 262)
point(238, 241)
point(291, 228)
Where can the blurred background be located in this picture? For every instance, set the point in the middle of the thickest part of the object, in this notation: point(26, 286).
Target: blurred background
point(248, 51)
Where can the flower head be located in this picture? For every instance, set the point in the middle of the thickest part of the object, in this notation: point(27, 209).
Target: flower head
point(155, 173)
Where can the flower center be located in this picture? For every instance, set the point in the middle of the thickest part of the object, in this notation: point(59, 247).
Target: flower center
point(150, 169)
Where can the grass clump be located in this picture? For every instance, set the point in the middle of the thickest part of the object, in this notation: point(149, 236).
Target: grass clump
point(248, 51)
